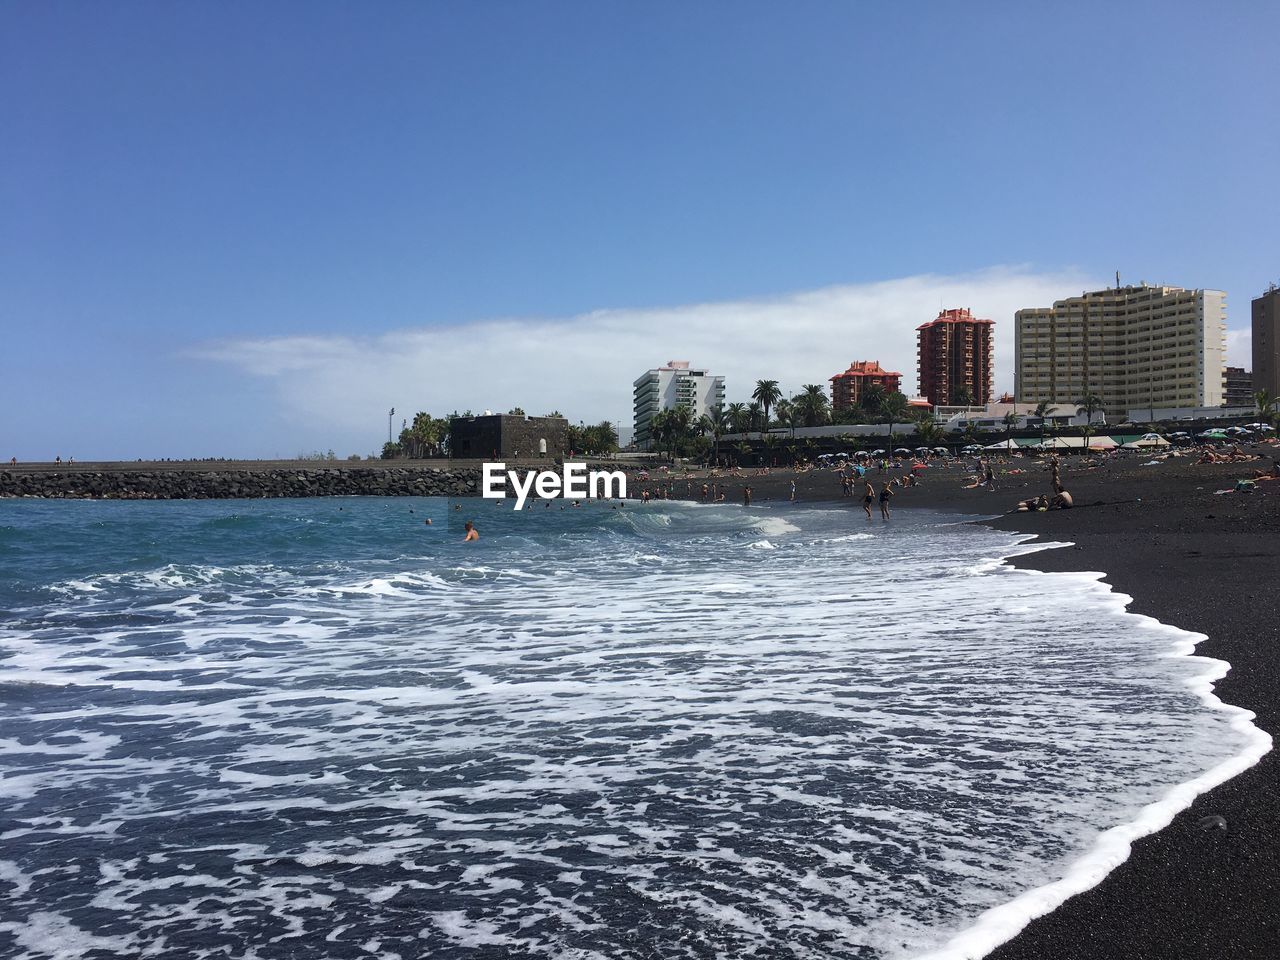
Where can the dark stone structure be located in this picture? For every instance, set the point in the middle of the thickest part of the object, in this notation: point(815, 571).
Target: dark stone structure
point(231, 483)
point(506, 437)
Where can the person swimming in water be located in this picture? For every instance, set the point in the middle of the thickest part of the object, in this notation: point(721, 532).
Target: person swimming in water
point(472, 533)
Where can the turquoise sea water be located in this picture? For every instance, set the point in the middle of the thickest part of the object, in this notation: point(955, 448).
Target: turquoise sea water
point(321, 728)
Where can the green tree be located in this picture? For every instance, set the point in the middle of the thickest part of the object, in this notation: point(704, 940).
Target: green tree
point(1042, 412)
point(755, 412)
point(928, 431)
point(1266, 406)
point(893, 408)
point(604, 438)
point(1088, 405)
point(713, 422)
point(962, 397)
point(672, 428)
point(787, 415)
point(516, 412)
point(390, 451)
point(873, 399)
point(739, 418)
point(1010, 424)
point(812, 405)
point(767, 393)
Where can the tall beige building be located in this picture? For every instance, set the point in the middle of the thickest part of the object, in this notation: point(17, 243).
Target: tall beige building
point(1136, 346)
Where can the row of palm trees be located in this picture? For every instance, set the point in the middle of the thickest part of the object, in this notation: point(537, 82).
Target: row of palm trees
point(676, 430)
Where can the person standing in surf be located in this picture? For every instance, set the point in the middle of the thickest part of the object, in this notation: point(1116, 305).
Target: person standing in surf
point(885, 494)
point(868, 494)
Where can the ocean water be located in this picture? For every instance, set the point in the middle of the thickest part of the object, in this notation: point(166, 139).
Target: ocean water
point(321, 728)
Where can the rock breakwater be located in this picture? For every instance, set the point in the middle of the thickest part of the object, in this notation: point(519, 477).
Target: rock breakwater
point(229, 484)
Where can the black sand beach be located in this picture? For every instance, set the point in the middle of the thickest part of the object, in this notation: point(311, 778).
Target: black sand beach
point(1199, 560)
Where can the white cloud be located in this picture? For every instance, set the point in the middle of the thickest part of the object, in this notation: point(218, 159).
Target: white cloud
point(1240, 348)
point(584, 365)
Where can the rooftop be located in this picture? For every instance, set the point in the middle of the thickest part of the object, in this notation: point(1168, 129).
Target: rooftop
point(957, 315)
point(867, 368)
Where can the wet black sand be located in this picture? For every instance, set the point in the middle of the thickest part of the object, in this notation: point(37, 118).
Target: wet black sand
point(1197, 560)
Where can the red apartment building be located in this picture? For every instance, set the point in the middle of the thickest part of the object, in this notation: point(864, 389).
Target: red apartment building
point(848, 388)
point(955, 352)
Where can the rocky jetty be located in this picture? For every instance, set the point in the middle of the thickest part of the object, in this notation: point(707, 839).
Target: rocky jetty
point(231, 483)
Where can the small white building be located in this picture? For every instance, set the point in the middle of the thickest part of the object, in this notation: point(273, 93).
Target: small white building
point(675, 384)
point(1156, 414)
point(991, 416)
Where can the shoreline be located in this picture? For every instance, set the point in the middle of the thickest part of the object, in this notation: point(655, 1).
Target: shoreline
point(1192, 558)
point(1010, 925)
point(1202, 562)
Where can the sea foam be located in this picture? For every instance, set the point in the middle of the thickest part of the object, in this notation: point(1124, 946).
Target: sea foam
point(590, 735)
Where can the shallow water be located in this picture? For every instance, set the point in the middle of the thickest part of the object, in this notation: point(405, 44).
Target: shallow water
point(320, 728)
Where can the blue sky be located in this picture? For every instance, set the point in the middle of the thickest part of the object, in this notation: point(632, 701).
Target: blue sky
point(190, 189)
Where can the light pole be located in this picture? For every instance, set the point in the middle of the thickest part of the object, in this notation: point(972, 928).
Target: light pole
point(390, 414)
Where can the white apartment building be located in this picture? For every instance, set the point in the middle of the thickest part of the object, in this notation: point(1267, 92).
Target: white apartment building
point(1134, 346)
point(673, 385)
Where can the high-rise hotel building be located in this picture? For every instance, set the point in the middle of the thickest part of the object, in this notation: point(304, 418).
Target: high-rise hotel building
point(1266, 341)
point(955, 353)
point(673, 385)
point(1135, 347)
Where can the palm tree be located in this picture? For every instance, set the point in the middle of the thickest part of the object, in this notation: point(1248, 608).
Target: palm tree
point(713, 422)
point(680, 427)
point(754, 412)
point(1010, 424)
point(893, 407)
point(928, 431)
point(963, 397)
point(739, 418)
point(1266, 406)
point(766, 394)
point(813, 404)
point(1042, 411)
point(786, 412)
point(872, 397)
point(1088, 404)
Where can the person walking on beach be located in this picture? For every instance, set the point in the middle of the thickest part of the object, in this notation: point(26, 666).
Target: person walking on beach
point(868, 494)
point(885, 494)
point(988, 476)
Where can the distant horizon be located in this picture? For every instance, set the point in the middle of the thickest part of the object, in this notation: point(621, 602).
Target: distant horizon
point(251, 231)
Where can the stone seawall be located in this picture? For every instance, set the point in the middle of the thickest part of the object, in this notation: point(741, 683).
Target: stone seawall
point(206, 484)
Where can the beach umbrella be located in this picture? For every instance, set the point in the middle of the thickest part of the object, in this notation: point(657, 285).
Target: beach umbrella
point(877, 453)
point(902, 452)
point(1148, 441)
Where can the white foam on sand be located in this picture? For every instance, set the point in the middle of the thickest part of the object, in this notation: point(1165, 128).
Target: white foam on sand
point(1113, 846)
